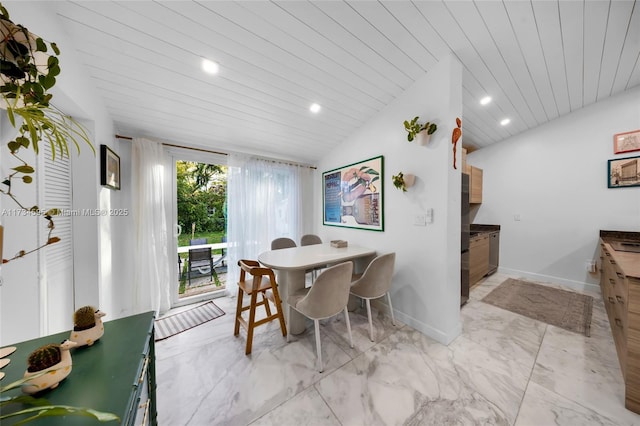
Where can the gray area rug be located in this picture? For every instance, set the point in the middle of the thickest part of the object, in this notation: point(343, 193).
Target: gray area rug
point(562, 308)
point(173, 324)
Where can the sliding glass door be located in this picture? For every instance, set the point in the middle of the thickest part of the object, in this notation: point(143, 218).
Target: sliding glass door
point(200, 219)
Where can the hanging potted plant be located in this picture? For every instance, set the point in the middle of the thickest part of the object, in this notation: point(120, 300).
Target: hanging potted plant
point(421, 133)
point(28, 70)
point(401, 181)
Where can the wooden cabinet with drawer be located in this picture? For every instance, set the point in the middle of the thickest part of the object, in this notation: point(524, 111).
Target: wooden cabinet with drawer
point(475, 185)
point(478, 257)
point(115, 375)
point(621, 296)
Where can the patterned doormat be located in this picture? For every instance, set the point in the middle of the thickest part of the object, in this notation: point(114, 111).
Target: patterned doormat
point(562, 308)
point(177, 323)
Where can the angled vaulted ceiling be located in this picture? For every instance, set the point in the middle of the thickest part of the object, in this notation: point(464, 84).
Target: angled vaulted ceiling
point(537, 59)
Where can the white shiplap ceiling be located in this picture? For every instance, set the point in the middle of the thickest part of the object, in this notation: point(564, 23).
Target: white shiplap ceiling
point(537, 59)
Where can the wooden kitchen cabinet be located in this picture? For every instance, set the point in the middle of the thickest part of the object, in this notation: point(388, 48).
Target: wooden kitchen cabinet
point(478, 258)
point(475, 185)
point(620, 286)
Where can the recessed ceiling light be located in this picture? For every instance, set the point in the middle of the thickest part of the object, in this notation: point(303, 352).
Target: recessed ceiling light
point(485, 100)
point(505, 121)
point(315, 108)
point(210, 66)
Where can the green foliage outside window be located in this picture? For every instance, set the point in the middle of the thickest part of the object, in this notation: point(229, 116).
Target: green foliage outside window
point(201, 194)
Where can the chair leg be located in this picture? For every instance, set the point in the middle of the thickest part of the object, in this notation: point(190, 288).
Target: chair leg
point(346, 318)
point(236, 329)
point(393, 319)
point(279, 310)
point(370, 321)
point(316, 324)
point(267, 308)
point(288, 316)
point(252, 319)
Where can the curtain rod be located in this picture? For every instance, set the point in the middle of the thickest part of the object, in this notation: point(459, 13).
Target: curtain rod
point(129, 138)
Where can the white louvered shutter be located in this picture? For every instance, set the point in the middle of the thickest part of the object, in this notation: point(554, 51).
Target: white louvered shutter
point(56, 261)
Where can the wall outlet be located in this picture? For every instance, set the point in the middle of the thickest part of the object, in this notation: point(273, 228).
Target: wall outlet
point(420, 220)
point(590, 266)
point(516, 217)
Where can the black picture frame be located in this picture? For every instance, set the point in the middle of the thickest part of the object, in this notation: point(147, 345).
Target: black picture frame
point(623, 172)
point(109, 168)
point(352, 195)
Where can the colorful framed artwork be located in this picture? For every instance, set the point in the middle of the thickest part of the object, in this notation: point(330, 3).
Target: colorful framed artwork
point(626, 142)
point(109, 168)
point(624, 172)
point(352, 195)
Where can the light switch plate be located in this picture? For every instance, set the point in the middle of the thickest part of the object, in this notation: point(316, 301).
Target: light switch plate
point(429, 216)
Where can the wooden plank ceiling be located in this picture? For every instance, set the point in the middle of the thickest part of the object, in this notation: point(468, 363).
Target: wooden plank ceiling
point(538, 60)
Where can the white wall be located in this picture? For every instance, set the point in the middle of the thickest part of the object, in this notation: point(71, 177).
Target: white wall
point(555, 178)
point(426, 284)
point(102, 267)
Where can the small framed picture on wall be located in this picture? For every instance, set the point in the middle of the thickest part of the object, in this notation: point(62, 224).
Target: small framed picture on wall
point(624, 172)
point(626, 142)
point(109, 168)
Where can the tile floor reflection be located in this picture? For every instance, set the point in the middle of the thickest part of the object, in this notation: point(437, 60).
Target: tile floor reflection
point(504, 369)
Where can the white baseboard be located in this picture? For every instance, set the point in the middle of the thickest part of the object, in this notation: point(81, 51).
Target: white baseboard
point(437, 335)
point(577, 285)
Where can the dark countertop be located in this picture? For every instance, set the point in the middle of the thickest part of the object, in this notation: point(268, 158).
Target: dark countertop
point(476, 229)
point(616, 235)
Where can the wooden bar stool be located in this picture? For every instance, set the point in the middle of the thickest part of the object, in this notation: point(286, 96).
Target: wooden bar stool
point(263, 280)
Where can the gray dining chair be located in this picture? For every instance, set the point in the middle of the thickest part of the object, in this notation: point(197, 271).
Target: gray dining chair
point(327, 297)
point(375, 282)
point(308, 240)
point(282, 243)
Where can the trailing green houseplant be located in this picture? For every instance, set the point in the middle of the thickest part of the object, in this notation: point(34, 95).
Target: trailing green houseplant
point(40, 407)
point(402, 181)
point(28, 70)
point(413, 128)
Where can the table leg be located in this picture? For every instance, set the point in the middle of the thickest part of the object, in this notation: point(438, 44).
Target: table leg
point(288, 283)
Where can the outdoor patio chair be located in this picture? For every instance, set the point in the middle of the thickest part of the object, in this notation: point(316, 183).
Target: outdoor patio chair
point(200, 260)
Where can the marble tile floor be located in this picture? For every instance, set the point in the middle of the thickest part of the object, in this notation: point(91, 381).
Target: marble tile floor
point(504, 369)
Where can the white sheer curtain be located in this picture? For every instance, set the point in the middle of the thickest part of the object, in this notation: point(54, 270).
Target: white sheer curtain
point(266, 200)
point(152, 283)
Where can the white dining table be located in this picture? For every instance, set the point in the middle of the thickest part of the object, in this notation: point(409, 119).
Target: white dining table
point(290, 265)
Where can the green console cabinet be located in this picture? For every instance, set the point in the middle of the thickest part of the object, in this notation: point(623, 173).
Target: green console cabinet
point(116, 375)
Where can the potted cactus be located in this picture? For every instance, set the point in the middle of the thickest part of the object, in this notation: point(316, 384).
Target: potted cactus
point(52, 358)
point(87, 326)
point(421, 133)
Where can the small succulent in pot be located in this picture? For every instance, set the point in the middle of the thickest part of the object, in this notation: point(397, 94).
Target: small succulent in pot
point(413, 128)
point(84, 318)
point(44, 357)
point(87, 326)
point(52, 359)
